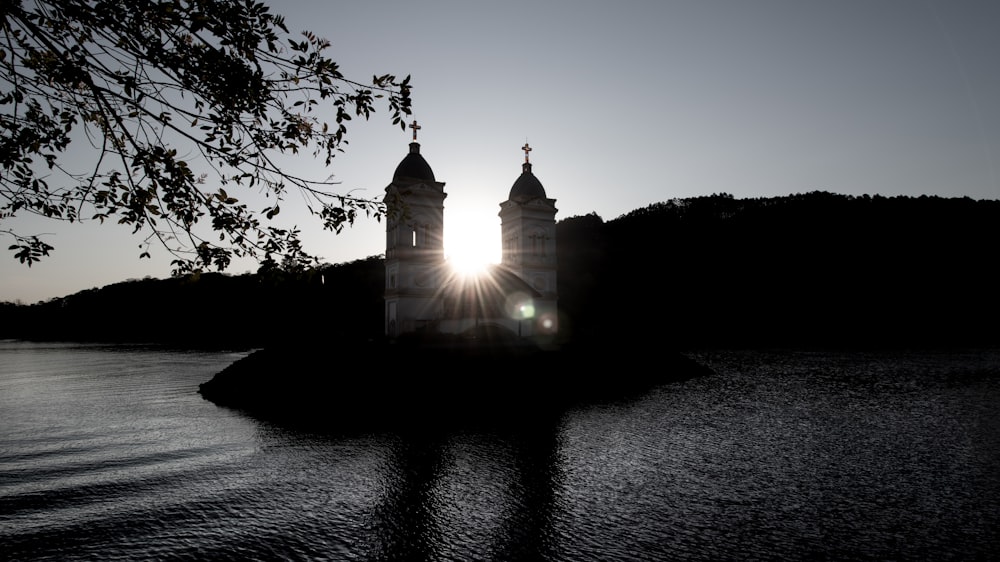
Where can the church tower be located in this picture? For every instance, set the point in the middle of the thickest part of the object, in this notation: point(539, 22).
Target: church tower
point(414, 246)
point(528, 232)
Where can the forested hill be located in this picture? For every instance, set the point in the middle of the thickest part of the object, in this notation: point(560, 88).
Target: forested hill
point(214, 309)
point(808, 269)
point(815, 269)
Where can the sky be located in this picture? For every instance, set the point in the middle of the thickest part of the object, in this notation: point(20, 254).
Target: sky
point(626, 104)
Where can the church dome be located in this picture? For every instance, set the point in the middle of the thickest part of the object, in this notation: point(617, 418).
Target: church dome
point(527, 185)
point(414, 166)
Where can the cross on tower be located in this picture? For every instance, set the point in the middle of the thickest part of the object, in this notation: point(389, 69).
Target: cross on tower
point(415, 128)
point(526, 150)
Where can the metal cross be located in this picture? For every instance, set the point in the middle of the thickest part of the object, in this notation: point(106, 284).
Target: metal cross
point(415, 128)
point(526, 150)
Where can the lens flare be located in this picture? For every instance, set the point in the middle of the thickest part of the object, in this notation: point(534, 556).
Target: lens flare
point(547, 324)
point(520, 306)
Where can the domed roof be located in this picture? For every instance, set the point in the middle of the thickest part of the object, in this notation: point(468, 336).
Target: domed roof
point(414, 166)
point(527, 185)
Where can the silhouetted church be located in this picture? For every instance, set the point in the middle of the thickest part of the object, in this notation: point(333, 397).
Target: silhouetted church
point(424, 296)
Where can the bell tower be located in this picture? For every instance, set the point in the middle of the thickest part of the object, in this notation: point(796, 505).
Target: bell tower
point(414, 245)
point(528, 232)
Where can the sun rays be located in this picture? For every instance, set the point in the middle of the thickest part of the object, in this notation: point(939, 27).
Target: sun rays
point(489, 297)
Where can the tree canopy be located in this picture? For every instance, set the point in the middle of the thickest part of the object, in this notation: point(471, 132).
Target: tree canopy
point(184, 105)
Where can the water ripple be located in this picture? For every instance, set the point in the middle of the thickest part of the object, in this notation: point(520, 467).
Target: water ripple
point(779, 455)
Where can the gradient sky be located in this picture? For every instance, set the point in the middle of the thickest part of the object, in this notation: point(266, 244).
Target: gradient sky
point(626, 104)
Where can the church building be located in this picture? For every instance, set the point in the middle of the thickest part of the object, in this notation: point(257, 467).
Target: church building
point(423, 295)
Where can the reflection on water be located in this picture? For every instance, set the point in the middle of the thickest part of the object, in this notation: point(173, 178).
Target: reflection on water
point(466, 496)
point(109, 453)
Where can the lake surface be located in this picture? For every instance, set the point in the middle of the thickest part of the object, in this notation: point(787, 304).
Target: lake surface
point(109, 453)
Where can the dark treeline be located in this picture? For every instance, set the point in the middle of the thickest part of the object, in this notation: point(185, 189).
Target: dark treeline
point(814, 269)
point(214, 309)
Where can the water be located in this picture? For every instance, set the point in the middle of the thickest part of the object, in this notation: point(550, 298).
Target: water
point(109, 453)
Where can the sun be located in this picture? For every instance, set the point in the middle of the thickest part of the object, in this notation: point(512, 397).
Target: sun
point(471, 247)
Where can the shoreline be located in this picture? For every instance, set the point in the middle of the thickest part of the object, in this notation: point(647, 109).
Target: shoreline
point(380, 383)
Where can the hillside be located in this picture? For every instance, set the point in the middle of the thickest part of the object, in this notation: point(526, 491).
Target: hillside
point(213, 309)
point(810, 269)
point(807, 269)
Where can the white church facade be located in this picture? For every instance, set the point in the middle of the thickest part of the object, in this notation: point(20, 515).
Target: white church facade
point(424, 296)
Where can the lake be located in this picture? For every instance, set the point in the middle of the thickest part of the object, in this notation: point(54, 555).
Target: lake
point(110, 453)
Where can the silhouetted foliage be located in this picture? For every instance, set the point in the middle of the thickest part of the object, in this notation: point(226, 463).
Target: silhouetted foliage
point(185, 106)
point(583, 253)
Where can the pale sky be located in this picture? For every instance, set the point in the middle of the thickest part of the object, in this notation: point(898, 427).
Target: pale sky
point(626, 104)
